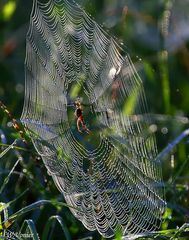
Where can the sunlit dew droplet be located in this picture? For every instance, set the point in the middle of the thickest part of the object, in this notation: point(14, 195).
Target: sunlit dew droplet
point(140, 59)
point(109, 111)
point(70, 29)
point(112, 73)
point(164, 130)
point(2, 136)
point(153, 128)
point(19, 88)
point(185, 120)
point(9, 124)
point(172, 161)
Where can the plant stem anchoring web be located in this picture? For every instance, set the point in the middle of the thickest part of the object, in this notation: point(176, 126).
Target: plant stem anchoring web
point(111, 173)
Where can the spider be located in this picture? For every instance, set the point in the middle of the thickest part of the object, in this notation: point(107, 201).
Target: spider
point(79, 116)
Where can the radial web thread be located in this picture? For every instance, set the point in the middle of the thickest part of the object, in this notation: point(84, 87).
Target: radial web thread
point(112, 176)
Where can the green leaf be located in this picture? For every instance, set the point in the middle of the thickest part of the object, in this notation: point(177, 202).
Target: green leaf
point(8, 10)
point(149, 71)
point(130, 103)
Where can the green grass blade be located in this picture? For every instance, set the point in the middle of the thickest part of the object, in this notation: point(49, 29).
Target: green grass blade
point(9, 175)
point(24, 210)
point(4, 206)
point(56, 203)
point(8, 149)
point(49, 225)
point(15, 147)
point(165, 81)
point(131, 102)
point(28, 230)
point(149, 71)
point(3, 210)
point(32, 207)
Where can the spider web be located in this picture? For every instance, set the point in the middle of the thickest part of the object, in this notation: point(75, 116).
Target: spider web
point(112, 176)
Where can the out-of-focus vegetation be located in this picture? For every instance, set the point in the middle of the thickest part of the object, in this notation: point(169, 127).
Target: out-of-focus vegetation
point(156, 35)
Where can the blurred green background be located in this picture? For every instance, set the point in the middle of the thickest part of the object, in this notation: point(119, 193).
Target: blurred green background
point(156, 35)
